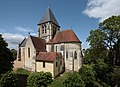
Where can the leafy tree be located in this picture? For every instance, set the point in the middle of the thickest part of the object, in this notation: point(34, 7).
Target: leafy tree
point(39, 79)
point(111, 27)
point(14, 52)
point(8, 79)
point(6, 57)
point(98, 49)
point(102, 69)
point(88, 75)
point(114, 77)
point(73, 79)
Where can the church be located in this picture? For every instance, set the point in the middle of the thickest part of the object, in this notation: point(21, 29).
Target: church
point(52, 50)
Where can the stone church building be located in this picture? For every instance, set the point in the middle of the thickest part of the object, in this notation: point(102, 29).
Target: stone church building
point(52, 50)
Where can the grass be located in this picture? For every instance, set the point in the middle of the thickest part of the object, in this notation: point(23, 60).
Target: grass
point(22, 71)
point(58, 81)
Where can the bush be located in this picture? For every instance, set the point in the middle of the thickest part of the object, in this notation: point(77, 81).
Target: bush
point(88, 75)
point(39, 79)
point(73, 79)
point(8, 79)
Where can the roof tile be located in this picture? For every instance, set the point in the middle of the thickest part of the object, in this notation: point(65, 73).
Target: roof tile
point(48, 17)
point(65, 36)
point(39, 44)
point(48, 56)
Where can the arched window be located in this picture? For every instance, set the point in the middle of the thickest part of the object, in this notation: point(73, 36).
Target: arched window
point(28, 52)
point(42, 29)
point(75, 55)
point(45, 29)
point(66, 54)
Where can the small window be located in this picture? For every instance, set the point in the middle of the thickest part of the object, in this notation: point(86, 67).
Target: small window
point(42, 29)
point(43, 64)
point(75, 55)
point(56, 64)
point(28, 52)
point(71, 54)
point(45, 29)
point(62, 48)
point(66, 54)
point(52, 48)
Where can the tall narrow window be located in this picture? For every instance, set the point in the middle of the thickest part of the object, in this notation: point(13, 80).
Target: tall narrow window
point(62, 48)
point(66, 54)
point(45, 29)
point(56, 64)
point(42, 29)
point(75, 55)
point(71, 54)
point(43, 64)
point(28, 52)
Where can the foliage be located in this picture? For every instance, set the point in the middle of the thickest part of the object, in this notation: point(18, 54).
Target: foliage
point(22, 71)
point(114, 76)
point(8, 79)
point(88, 75)
point(111, 27)
point(6, 57)
point(98, 50)
point(39, 79)
point(73, 80)
point(104, 52)
point(14, 52)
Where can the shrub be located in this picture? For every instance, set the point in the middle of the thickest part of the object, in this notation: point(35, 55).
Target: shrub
point(39, 79)
point(8, 79)
point(73, 80)
point(88, 75)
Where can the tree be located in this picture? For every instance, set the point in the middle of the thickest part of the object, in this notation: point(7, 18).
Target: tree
point(6, 57)
point(8, 79)
point(39, 79)
point(114, 77)
point(104, 51)
point(111, 27)
point(14, 52)
point(73, 79)
point(88, 75)
point(98, 49)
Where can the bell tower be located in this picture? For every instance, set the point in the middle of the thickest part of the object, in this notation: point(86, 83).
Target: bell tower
point(48, 26)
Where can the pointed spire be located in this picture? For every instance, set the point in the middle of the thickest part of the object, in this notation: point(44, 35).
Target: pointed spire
point(48, 17)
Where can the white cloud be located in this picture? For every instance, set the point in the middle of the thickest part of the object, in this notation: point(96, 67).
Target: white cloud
point(13, 40)
point(23, 29)
point(102, 9)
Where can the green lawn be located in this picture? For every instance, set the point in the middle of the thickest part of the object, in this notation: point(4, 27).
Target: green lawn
point(58, 81)
point(22, 71)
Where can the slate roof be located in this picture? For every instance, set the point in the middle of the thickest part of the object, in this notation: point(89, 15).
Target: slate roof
point(39, 44)
point(48, 17)
point(48, 56)
point(22, 44)
point(65, 37)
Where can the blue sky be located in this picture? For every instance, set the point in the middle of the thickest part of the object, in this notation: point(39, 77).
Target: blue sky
point(18, 17)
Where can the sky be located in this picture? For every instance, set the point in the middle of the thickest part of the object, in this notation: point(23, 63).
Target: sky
point(19, 17)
